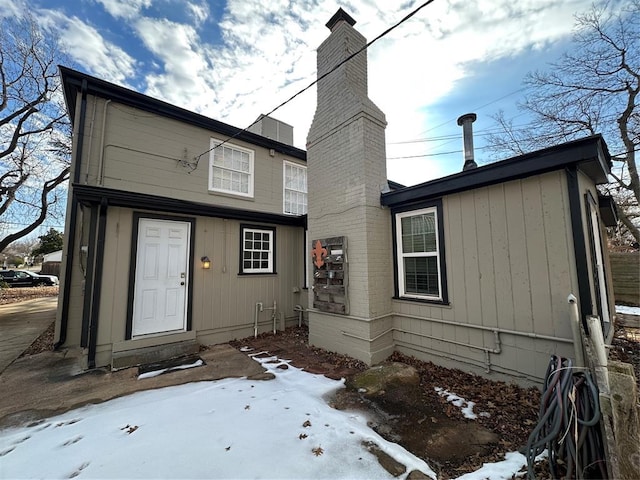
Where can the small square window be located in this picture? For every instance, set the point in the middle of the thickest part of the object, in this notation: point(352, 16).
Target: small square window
point(258, 253)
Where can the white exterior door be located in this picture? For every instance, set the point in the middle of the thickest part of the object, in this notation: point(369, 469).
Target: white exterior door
point(160, 292)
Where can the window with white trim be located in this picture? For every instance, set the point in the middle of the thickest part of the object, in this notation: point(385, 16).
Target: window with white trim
point(257, 252)
point(420, 273)
point(295, 189)
point(230, 169)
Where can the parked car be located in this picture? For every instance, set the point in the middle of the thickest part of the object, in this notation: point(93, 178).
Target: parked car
point(25, 278)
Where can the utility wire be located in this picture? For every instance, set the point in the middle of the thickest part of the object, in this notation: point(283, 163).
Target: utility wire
point(383, 34)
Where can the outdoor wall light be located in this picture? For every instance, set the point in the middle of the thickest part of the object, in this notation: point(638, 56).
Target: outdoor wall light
point(206, 263)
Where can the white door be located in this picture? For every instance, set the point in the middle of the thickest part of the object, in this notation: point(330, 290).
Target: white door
point(160, 292)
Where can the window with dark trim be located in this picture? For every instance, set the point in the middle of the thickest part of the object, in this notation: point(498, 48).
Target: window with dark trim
point(419, 253)
point(257, 249)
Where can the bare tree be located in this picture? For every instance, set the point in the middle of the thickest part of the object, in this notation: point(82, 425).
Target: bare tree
point(594, 88)
point(34, 132)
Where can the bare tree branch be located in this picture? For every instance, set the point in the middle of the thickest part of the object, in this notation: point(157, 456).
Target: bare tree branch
point(34, 161)
point(593, 88)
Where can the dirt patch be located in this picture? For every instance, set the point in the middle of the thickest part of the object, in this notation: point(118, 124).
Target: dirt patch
point(625, 346)
point(425, 424)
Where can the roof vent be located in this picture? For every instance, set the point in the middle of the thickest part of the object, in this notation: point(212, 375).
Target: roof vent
point(467, 135)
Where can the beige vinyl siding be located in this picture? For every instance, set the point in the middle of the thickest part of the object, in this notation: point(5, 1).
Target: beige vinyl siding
point(223, 301)
point(144, 153)
point(510, 267)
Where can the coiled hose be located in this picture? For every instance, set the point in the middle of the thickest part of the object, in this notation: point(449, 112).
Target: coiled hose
point(568, 424)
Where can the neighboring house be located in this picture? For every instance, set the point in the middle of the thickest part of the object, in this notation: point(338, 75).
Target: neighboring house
point(171, 240)
point(52, 257)
point(471, 271)
point(51, 263)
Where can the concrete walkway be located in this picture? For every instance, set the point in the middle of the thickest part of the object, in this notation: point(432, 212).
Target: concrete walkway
point(21, 323)
point(37, 386)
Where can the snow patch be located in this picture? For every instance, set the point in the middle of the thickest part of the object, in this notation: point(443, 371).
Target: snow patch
point(155, 373)
point(627, 310)
point(223, 422)
point(466, 406)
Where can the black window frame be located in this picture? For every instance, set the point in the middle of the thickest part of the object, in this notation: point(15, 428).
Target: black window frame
point(263, 228)
point(397, 257)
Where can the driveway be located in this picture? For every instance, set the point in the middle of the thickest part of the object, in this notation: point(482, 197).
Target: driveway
point(21, 323)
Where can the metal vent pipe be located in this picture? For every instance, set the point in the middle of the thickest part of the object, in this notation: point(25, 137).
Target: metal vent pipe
point(467, 135)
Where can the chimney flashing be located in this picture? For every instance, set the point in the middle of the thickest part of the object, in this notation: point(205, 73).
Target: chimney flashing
point(340, 15)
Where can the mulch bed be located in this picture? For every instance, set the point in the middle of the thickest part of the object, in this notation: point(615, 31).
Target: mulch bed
point(13, 295)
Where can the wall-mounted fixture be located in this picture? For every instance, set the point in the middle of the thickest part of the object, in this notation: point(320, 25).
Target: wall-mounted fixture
point(206, 263)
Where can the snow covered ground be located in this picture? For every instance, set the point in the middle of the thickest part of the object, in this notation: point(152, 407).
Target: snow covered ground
point(628, 310)
point(231, 428)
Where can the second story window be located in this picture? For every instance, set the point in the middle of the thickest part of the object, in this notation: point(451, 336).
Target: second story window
point(295, 189)
point(230, 169)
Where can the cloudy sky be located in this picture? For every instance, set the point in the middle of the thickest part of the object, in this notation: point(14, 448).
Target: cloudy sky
point(233, 60)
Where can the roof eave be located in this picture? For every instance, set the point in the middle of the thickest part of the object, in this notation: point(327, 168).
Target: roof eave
point(72, 83)
point(590, 154)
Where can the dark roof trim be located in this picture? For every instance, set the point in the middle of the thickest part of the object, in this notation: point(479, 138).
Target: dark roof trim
point(340, 15)
point(119, 198)
point(72, 82)
point(590, 154)
point(608, 210)
point(395, 185)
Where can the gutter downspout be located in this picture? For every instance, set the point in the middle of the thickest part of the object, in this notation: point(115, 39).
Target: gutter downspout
point(89, 277)
point(104, 128)
point(579, 245)
point(73, 220)
point(97, 284)
point(574, 316)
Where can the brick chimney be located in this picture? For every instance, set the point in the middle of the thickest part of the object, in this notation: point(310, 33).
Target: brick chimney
point(346, 171)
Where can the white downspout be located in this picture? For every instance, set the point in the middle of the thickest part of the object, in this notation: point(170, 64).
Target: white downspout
point(258, 309)
point(597, 341)
point(575, 330)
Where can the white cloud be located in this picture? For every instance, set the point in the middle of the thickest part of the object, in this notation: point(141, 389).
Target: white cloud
point(10, 8)
point(86, 46)
point(124, 8)
point(185, 65)
point(268, 53)
point(199, 12)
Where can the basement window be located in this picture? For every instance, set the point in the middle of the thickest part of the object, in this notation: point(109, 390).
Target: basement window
point(419, 243)
point(257, 253)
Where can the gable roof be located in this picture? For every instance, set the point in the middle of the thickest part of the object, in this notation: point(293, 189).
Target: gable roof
point(590, 154)
point(74, 82)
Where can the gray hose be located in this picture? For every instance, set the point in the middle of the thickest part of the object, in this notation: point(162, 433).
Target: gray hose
point(568, 424)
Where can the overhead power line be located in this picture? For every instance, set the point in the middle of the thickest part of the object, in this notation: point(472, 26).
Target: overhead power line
point(300, 92)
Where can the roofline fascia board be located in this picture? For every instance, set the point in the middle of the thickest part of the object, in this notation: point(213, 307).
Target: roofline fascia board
point(119, 198)
point(72, 81)
point(589, 149)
